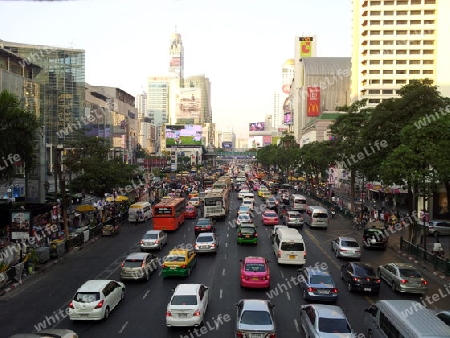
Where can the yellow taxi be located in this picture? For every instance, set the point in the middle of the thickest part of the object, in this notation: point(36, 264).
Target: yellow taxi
point(193, 193)
point(265, 194)
point(262, 190)
point(179, 262)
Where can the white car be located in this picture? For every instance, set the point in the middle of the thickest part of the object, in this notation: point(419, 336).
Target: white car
point(55, 333)
point(242, 192)
point(95, 299)
point(249, 203)
point(324, 321)
point(187, 305)
point(195, 201)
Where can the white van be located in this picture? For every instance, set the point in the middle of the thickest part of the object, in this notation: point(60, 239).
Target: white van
point(297, 202)
point(144, 207)
point(289, 247)
point(403, 318)
point(249, 203)
point(316, 217)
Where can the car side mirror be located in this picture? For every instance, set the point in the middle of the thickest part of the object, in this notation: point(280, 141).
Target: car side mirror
point(173, 289)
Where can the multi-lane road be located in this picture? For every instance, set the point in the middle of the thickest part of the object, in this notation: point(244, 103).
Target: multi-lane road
point(43, 300)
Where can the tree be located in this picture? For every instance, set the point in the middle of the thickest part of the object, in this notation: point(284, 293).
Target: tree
point(18, 128)
point(316, 157)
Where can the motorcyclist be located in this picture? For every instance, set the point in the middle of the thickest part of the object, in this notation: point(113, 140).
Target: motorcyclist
point(333, 211)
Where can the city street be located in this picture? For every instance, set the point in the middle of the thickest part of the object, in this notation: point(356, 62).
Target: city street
point(44, 299)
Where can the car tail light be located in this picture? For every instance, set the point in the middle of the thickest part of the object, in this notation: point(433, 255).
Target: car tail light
point(239, 335)
point(122, 265)
point(168, 314)
point(213, 245)
point(312, 290)
point(157, 241)
point(196, 246)
point(142, 242)
point(334, 290)
point(356, 279)
point(304, 254)
point(143, 264)
point(196, 313)
point(183, 266)
point(279, 254)
point(256, 235)
point(246, 277)
point(100, 304)
point(424, 282)
point(163, 265)
point(239, 235)
point(71, 305)
point(273, 335)
point(404, 281)
point(342, 250)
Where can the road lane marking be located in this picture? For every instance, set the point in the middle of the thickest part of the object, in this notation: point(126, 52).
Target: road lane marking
point(282, 275)
point(123, 327)
point(226, 245)
point(288, 295)
point(146, 293)
point(184, 236)
point(223, 272)
point(228, 235)
point(225, 256)
point(296, 325)
point(220, 293)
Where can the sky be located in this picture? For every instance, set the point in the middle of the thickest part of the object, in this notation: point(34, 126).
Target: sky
point(240, 45)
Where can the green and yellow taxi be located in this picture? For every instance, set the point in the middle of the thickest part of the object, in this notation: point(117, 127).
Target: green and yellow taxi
point(265, 194)
point(247, 234)
point(179, 262)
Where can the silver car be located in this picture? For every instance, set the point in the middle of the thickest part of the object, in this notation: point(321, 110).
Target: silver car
point(206, 242)
point(403, 277)
point(294, 219)
point(255, 318)
point(319, 321)
point(153, 239)
point(56, 333)
point(346, 247)
point(138, 265)
point(438, 228)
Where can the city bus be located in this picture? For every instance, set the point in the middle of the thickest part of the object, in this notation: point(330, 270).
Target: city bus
point(217, 204)
point(169, 214)
point(208, 182)
point(223, 182)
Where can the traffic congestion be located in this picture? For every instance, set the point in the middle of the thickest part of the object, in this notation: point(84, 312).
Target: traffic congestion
point(244, 257)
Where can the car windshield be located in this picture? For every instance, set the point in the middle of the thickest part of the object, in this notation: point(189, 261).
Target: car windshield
point(132, 263)
point(364, 271)
point(350, 244)
point(291, 246)
point(255, 267)
point(150, 236)
point(184, 300)
point(87, 297)
point(247, 230)
point(256, 318)
point(194, 199)
point(334, 325)
point(174, 258)
point(374, 232)
point(203, 221)
point(203, 225)
point(321, 280)
point(270, 214)
point(203, 239)
point(411, 273)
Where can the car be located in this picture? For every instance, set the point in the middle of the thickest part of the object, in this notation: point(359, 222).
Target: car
point(444, 315)
point(256, 187)
point(403, 277)
point(272, 203)
point(323, 321)
point(263, 190)
point(317, 284)
point(255, 318)
point(95, 299)
point(193, 193)
point(438, 228)
point(195, 201)
point(206, 242)
point(248, 202)
point(243, 209)
point(293, 219)
point(255, 272)
point(153, 239)
point(374, 237)
point(179, 262)
point(276, 227)
point(269, 217)
point(346, 247)
point(242, 192)
point(361, 277)
point(54, 333)
point(201, 196)
point(244, 219)
point(246, 234)
point(187, 305)
point(190, 212)
point(138, 266)
point(204, 224)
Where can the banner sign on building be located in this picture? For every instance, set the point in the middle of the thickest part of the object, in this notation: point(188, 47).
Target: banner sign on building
point(227, 145)
point(313, 101)
point(189, 102)
point(305, 46)
point(257, 126)
point(267, 140)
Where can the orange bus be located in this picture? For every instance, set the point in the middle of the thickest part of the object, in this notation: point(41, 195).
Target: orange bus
point(169, 214)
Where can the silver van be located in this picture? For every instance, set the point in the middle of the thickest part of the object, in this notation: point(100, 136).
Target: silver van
point(316, 217)
point(403, 318)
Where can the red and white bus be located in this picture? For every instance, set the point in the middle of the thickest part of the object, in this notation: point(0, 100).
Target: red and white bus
point(169, 214)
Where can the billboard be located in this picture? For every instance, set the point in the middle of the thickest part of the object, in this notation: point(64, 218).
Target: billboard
point(257, 126)
point(287, 111)
point(267, 140)
point(183, 135)
point(188, 105)
point(227, 145)
point(312, 101)
point(305, 46)
point(255, 141)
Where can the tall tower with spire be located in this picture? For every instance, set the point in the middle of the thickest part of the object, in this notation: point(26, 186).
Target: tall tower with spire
point(176, 55)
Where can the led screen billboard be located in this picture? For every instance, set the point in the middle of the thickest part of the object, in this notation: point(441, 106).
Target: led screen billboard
point(257, 126)
point(255, 141)
point(183, 135)
point(227, 145)
point(189, 102)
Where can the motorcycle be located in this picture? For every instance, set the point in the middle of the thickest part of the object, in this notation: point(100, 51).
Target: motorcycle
point(333, 213)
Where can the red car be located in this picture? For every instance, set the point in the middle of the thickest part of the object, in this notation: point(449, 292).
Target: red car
point(269, 217)
point(255, 273)
point(191, 212)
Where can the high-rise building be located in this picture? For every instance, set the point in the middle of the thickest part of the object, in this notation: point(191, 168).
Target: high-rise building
point(158, 104)
point(176, 56)
point(196, 91)
point(141, 104)
point(397, 41)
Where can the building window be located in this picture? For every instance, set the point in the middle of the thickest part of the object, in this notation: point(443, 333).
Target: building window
point(400, 81)
point(428, 51)
point(414, 42)
point(374, 71)
point(430, 2)
point(414, 52)
point(401, 51)
point(388, 13)
point(429, 12)
point(402, 22)
point(415, 22)
point(388, 32)
point(428, 42)
point(387, 92)
point(399, 71)
point(389, 3)
point(414, 62)
point(375, 3)
point(374, 22)
point(402, 2)
point(402, 32)
point(388, 22)
point(374, 62)
point(428, 22)
point(414, 71)
point(388, 81)
point(375, 42)
point(374, 32)
point(402, 13)
point(428, 31)
point(374, 101)
point(388, 62)
point(427, 71)
point(374, 91)
point(416, 12)
point(374, 52)
point(416, 2)
point(374, 82)
point(428, 62)
point(388, 71)
point(375, 13)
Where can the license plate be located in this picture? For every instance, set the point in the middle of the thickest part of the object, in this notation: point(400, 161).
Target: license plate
point(247, 236)
point(350, 251)
point(323, 292)
point(182, 315)
point(173, 267)
point(204, 247)
point(255, 278)
point(84, 315)
point(292, 256)
point(367, 289)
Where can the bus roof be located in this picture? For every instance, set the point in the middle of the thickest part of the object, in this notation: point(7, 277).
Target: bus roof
point(170, 202)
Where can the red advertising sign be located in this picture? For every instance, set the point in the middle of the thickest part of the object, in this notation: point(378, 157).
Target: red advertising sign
point(313, 101)
point(267, 140)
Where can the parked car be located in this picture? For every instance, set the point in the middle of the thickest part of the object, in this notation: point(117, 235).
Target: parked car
point(255, 272)
point(346, 247)
point(153, 239)
point(361, 277)
point(246, 234)
point(204, 225)
point(179, 262)
point(438, 228)
point(317, 284)
point(54, 333)
point(323, 321)
point(403, 277)
point(375, 237)
point(95, 299)
point(255, 318)
point(206, 242)
point(138, 266)
point(190, 212)
point(188, 305)
point(293, 219)
point(269, 217)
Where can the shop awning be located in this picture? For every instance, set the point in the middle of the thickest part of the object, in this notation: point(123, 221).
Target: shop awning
point(85, 208)
point(119, 198)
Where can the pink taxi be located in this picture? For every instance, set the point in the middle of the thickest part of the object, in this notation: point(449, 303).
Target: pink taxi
point(255, 272)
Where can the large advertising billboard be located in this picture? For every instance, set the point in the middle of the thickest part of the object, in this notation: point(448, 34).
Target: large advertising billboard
point(257, 126)
point(255, 141)
point(313, 101)
point(287, 111)
point(267, 140)
point(188, 105)
point(305, 46)
point(227, 145)
point(183, 135)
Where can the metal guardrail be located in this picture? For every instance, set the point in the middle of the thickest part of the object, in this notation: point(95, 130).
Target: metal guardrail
point(439, 264)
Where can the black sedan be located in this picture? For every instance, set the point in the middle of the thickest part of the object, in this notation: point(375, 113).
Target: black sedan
point(361, 277)
point(204, 225)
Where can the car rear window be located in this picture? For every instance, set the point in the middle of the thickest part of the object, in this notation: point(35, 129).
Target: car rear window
point(411, 273)
point(246, 230)
point(150, 236)
point(334, 325)
point(320, 215)
point(364, 271)
point(255, 267)
point(270, 214)
point(295, 215)
point(184, 300)
point(203, 222)
point(292, 246)
point(350, 244)
point(171, 258)
point(204, 239)
point(132, 263)
point(87, 297)
point(256, 318)
point(321, 280)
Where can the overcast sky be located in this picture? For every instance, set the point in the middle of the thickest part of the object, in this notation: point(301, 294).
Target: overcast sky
point(240, 45)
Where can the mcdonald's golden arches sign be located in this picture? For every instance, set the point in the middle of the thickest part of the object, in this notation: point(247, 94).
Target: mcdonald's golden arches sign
point(313, 101)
